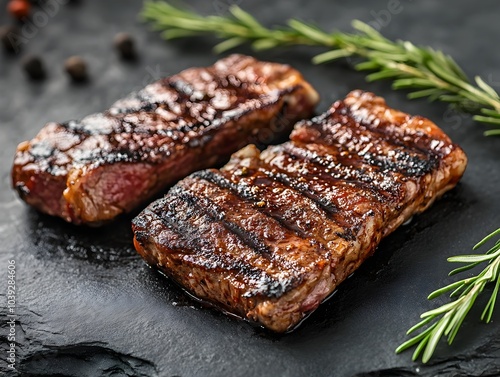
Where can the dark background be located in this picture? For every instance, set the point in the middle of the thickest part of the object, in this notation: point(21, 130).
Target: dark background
point(89, 306)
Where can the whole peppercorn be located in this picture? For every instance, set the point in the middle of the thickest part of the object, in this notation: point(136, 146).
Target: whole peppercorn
point(76, 68)
point(9, 36)
point(19, 8)
point(33, 66)
point(125, 45)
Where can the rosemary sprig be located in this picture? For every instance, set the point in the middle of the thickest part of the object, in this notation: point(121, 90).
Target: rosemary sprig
point(422, 70)
point(447, 319)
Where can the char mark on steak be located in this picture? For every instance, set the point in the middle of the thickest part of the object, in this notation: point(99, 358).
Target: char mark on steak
point(272, 234)
point(92, 170)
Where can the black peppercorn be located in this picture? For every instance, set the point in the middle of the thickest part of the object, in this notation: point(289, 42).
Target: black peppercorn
point(125, 46)
point(33, 66)
point(9, 35)
point(76, 67)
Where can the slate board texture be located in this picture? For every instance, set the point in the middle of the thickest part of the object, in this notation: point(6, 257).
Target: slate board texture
point(87, 305)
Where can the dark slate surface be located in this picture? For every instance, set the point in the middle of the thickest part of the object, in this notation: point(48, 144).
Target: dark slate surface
point(88, 305)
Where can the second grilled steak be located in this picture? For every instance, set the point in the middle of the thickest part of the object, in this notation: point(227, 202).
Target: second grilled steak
point(92, 170)
point(272, 234)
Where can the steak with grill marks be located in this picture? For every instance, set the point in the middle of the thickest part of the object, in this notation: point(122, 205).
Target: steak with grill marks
point(272, 234)
point(92, 170)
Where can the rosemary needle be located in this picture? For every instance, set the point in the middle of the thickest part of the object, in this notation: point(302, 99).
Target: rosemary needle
point(447, 319)
point(425, 72)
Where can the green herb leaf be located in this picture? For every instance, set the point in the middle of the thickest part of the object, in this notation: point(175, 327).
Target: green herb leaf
point(428, 72)
point(447, 319)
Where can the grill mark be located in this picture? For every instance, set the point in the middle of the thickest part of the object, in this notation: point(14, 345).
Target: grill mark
point(181, 125)
point(121, 126)
point(284, 223)
point(359, 177)
point(405, 163)
point(344, 172)
point(272, 214)
point(392, 137)
point(138, 101)
point(261, 283)
point(342, 114)
point(277, 208)
point(215, 177)
point(273, 286)
point(77, 127)
point(185, 90)
point(120, 153)
point(204, 128)
point(345, 220)
point(329, 208)
point(408, 159)
point(182, 87)
point(73, 127)
point(216, 214)
point(43, 151)
point(170, 218)
point(185, 94)
point(245, 194)
point(178, 222)
point(303, 189)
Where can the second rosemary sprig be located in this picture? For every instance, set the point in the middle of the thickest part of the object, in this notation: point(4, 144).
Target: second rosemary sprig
point(425, 72)
point(447, 319)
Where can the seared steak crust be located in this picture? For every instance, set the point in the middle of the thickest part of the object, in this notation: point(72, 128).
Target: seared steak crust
point(90, 171)
point(272, 234)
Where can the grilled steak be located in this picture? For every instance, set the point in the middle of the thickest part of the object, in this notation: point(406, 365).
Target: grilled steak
point(90, 171)
point(272, 234)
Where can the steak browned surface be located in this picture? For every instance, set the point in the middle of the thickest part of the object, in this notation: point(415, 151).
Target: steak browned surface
point(272, 234)
point(92, 170)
